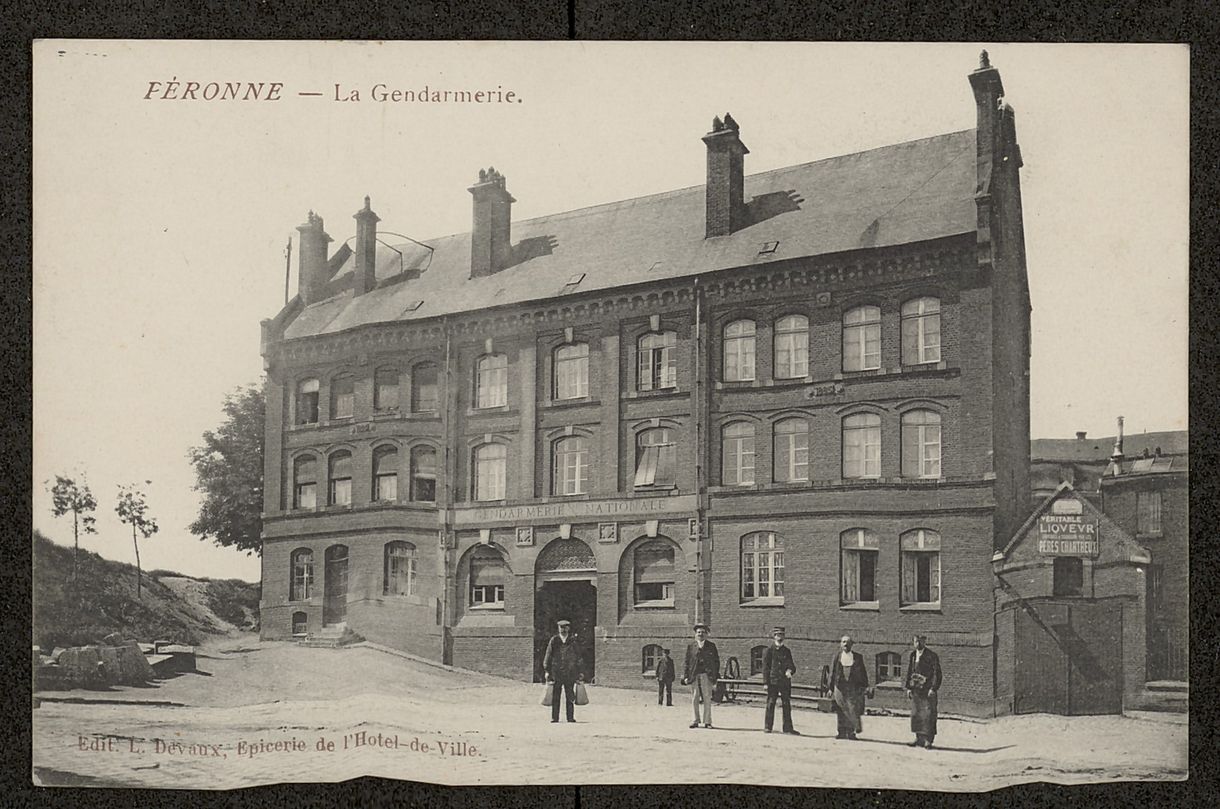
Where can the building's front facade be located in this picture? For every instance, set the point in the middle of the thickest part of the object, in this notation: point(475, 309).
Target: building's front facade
point(795, 398)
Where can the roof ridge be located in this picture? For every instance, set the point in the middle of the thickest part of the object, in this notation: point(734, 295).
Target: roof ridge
point(661, 195)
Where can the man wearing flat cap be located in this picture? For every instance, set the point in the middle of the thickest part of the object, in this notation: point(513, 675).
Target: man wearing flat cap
point(777, 671)
point(563, 666)
point(923, 681)
point(665, 679)
point(701, 671)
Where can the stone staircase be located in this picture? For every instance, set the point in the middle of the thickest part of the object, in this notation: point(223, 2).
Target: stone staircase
point(1165, 695)
point(331, 637)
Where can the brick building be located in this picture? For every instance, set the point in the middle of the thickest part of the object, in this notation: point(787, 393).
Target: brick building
point(797, 397)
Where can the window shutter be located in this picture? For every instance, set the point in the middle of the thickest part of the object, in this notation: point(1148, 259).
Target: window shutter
point(485, 572)
point(654, 565)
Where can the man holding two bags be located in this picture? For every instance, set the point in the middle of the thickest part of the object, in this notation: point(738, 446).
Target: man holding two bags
point(564, 668)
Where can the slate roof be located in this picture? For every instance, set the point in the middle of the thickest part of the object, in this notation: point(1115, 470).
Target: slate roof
point(1171, 442)
point(907, 192)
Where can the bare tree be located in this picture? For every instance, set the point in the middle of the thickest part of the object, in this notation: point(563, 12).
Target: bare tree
point(69, 496)
point(132, 507)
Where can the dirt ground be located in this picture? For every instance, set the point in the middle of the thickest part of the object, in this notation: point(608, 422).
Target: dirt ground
point(334, 714)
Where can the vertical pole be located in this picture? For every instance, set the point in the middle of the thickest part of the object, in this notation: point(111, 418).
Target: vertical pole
point(287, 268)
point(700, 487)
point(448, 408)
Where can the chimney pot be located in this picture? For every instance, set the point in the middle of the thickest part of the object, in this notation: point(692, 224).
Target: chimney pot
point(1080, 435)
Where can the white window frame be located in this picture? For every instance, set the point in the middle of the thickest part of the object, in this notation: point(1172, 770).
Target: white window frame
point(307, 401)
point(914, 546)
point(666, 598)
point(861, 446)
point(490, 470)
point(739, 351)
point(570, 467)
point(657, 366)
point(921, 435)
point(791, 443)
point(921, 331)
point(297, 484)
point(737, 454)
point(792, 347)
point(301, 586)
point(399, 566)
point(338, 489)
point(858, 542)
point(862, 339)
point(479, 593)
point(762, 557)
point(571, 371)
point(648, 462)
point(491, 381)
point(381, 475)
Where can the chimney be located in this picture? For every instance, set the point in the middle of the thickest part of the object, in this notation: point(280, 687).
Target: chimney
point(726, 204)
point(1080, 435)
point(365, 275)
point(988, 90)
point(311, 275)
point(491, 233)
point(1117, 455)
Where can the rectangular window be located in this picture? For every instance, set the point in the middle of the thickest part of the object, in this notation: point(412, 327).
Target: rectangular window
point(657, 459)
point(1148, 507)
point(572, 372)
point(385, 389)
point(385, 487)
point(491, 388)
point(737, 465)
point(862, 339)
point(655, 594)
point(858, 566)
point(920, 577)
point(400, 575)
point(921, 331)
point(307, 495)
point(424, 389)
point(792, 451)
point(791, 347)
point(1068, 576)
point(739, 351)
point(342, 397)
point(487, 594)
point(921, 446)
point(657, 367)
point(571, 472)
point(489, 470)
point(341, 492)
point(862, 447)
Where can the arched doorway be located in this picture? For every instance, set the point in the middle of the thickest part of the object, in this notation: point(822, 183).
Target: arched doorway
point(334, 601)
point(565, 582)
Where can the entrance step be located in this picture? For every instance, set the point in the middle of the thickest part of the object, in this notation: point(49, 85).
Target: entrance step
point(331, 637)
point(1165, 695)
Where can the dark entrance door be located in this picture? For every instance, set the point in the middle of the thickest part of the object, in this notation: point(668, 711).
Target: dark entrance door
point(577, 602)
point(1069, 659)
point(334, 602)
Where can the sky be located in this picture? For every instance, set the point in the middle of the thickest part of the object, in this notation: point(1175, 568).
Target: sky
point(160, 223)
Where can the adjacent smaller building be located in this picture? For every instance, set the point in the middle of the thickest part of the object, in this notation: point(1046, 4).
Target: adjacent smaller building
point(1070, 612)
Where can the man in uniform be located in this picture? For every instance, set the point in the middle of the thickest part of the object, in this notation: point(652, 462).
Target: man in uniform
point(923, 681)
point(777, 671)
point(563, 666)
point(701, 671)
point(665, 679)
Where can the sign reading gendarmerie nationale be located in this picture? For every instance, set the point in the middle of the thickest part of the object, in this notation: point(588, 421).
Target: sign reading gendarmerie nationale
point(1067, 535)
point(574, 510)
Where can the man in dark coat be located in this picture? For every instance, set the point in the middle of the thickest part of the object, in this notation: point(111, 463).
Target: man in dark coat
point(848, 686)
point(777, 671)
point(563, 666)
point(665, 679)
point(701, 671)
point(922, 684)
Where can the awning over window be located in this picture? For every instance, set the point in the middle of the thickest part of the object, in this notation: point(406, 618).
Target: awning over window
point(485, 572)
point(654, 564)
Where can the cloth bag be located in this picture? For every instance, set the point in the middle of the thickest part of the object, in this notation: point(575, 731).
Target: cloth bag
point(582, 696)
point(548, 695)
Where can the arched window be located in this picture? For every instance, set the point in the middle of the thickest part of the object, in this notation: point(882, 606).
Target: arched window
point(423, 475)
point(921, 331)
point(385, 389)
point(653, 573)
point(920, 567)
point(570, 474)
point(862, 339)
point(739, 351)
point(340, 479)
point(921, 444)
point(658, 362)
point(572, 371)
point(487, 576)
point(756, 660)
point(762, 566)
point(300, 624)
point(862, 446)
point(858, 550)
point(656, 458)
point(425, 393)
point(489, 471)
point(889, 667)
point(792, 347)
point(305, 482)
point(491, 381)
point(399, 568)
point(792, 450)
point(385, 473)
point(737, 454)
point(342, 397)
point(307, 401)
point(649, 656)
point(302, 575)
